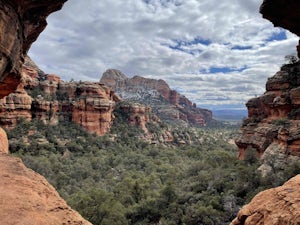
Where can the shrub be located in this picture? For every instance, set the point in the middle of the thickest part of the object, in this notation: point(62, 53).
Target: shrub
point(281, 122)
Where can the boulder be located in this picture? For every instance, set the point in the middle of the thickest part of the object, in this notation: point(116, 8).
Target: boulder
point(276, 206)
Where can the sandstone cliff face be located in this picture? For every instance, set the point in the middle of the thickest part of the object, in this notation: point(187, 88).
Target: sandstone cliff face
point(27, 198)
point(48, 98)
point(14, 107)
point(168, 104)
point(93, 107)
point(275, 116)
point(276, 206)
point(21, 22)
point(138, 115)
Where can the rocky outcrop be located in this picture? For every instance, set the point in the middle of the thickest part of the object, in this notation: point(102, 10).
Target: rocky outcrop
point(275, 206)
point(92, 107)
point(137, 114)
point(27, 198)
point(14, 107)
point(21, 22)
point(119, 82)
point(274, 117)
point(48, 98)
point(168, 104)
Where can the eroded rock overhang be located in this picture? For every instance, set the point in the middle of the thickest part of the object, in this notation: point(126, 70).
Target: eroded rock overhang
point(283, 13)
point(21, 22)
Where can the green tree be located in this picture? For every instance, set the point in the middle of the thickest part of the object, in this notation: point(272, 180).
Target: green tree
point(99, 207)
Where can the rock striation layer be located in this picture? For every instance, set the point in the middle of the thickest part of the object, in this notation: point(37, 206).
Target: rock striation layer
point(168, 104)
point(21, 22)
point(275, 206)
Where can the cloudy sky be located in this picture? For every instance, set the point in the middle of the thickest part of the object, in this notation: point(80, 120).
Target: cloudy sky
point(217, 53)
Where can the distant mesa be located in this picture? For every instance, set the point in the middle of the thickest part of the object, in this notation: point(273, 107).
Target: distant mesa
point(168, 104)
point(111, 77)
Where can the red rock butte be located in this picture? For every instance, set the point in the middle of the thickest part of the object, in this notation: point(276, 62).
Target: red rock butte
point(139, 89)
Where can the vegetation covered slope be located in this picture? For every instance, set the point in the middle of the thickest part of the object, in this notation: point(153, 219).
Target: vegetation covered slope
point(113, 180)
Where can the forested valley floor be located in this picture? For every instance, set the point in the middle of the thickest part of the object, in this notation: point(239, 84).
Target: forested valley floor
point(119, 179)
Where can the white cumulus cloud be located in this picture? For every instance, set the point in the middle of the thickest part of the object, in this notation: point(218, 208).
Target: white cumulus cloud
point(217, 53)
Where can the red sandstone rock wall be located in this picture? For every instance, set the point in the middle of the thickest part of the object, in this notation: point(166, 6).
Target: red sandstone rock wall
point(93, 107)
point(273, 112)
point(138, 115)
point(27, 198)
point(15, 106)
point(278, 108)
point(48, 98)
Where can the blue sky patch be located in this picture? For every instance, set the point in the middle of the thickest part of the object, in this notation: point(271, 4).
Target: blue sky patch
point(164, 2)
point(195, 41)
point(220, 70)
point(277, 36)
point(181, 44)
point(238, 47)
point(223, 70)
point(179, 48)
